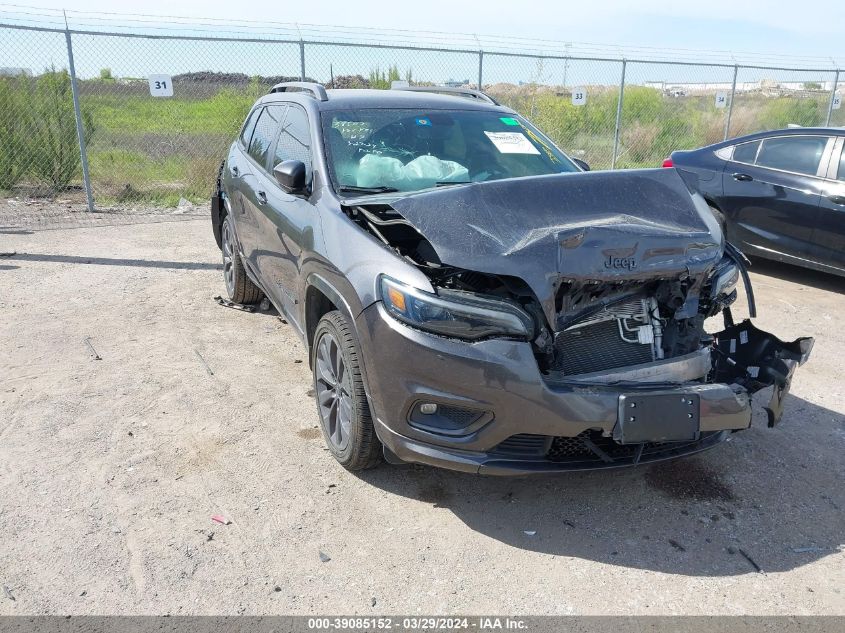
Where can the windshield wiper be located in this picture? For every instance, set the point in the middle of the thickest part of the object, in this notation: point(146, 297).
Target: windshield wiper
point(446, 183)
point(354, 189)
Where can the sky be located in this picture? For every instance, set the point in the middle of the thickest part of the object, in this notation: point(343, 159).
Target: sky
point(776, 27)
point(765, 32)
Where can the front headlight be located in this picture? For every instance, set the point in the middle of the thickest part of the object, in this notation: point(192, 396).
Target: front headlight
point(470, 318)
point(725, 279)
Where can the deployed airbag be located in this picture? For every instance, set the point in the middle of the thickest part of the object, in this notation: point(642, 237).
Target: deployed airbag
point(420, 173)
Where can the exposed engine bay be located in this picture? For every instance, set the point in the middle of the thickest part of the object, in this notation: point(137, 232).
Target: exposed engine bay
point(614, 299)
point(603, 326)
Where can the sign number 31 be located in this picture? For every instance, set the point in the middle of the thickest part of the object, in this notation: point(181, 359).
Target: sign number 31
point(161, 86)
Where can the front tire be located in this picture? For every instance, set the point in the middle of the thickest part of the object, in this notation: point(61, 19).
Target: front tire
point(341, 400)
point(239, 287)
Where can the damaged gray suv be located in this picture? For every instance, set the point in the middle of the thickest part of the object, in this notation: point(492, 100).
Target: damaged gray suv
point(474, 299)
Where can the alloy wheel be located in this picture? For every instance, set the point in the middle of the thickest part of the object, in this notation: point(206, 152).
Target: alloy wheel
point(333, 387)
point(228, 261)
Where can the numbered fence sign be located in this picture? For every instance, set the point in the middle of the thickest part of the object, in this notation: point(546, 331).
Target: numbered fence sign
point(579, 96)
point(161, 86)
point(721, 100)
point(837, 101)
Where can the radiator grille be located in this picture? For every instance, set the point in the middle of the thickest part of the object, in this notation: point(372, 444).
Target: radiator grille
point(596, 347)
point(593, 447)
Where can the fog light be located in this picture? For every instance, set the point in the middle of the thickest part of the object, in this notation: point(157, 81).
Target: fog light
point(428, 408)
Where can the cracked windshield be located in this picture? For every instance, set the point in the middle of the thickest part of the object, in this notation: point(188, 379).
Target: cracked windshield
point(375, 151)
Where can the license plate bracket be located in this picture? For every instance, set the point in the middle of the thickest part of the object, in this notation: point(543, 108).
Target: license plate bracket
point(657, 417)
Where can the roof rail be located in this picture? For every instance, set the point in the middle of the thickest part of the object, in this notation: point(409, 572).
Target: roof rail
point(467, 93)
point(316, 90)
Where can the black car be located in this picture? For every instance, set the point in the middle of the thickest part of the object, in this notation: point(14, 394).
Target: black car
point(472, 299)
point(780, 194)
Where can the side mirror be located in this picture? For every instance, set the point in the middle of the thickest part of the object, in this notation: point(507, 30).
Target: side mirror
point(582, 164)
point(290, 174)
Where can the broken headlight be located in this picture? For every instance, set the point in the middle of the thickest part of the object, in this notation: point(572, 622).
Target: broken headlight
point(460, 316)
point(724, 279)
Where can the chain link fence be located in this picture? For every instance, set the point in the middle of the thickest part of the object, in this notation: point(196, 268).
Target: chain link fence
point(73, 101)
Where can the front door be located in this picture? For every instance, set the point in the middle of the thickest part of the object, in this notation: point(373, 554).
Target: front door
point(829, 234)
point(286, 220)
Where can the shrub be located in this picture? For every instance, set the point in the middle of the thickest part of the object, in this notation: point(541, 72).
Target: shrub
point(13, 157)
point(783, 111)
point(383, 80)
point(53, 142)
point(638, 140)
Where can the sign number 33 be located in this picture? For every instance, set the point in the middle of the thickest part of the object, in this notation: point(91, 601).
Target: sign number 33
point(160, 86)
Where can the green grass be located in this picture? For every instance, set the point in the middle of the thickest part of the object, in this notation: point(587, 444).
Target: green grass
point(155, 151)
point(115, 114)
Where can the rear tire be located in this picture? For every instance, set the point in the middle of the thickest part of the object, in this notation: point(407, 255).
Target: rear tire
point(239, 287)
point(339, 391)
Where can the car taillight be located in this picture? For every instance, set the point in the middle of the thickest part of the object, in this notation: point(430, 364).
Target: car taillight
point(668, 163)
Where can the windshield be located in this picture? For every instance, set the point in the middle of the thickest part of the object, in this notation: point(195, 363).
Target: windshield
point(375, 150)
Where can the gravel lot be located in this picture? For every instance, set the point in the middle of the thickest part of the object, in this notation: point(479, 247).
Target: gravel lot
point(110, 470)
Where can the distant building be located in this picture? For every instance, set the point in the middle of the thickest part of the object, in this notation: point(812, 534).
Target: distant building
point(764, 85)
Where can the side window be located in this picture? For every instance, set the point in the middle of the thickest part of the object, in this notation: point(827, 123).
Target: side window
point(295, 140)
point(746, 152)
point(249, 126)
point(799, 154)
point(265, 132)
point(840, 175)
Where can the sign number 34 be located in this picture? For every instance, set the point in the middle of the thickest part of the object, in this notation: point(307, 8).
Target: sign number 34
point(161, 86)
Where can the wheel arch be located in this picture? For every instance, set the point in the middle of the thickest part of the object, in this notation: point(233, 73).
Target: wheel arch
point(321, 297)
point(721, 218)
point(219, 208)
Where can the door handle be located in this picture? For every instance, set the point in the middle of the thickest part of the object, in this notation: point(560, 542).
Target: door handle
point(742, 177)
point(235, 171)
point(262, 197)
point(836, 199)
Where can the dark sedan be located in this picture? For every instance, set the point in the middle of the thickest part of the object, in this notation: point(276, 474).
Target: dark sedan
point(779, 194)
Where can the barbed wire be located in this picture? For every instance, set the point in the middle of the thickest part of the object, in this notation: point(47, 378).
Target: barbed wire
point(150, 23)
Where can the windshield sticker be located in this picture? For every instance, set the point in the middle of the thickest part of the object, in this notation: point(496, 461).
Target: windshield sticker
point(507, 120)
point(511, 143)
point(423, 121)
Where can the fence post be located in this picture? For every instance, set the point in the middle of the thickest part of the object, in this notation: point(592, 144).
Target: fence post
point(832, 97)
point(480, 67)
point(302, 60)
point(618, 116)
point(80, 132)
point(731, 104)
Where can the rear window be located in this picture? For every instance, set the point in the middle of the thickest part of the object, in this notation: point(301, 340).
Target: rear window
point(249, 126)
point(746, 152)
point(799, 154)
point(265, 133)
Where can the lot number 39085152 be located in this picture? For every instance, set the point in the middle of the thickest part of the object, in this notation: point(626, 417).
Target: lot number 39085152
point(161, 86)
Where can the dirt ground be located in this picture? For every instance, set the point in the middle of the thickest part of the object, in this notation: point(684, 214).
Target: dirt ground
point(111, 469)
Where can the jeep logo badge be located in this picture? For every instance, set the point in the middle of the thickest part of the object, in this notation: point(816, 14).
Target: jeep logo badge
point(628, 263)
point(621, 258)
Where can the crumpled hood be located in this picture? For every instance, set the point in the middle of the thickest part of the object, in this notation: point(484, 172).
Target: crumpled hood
point(581, 227)
point(595, 226)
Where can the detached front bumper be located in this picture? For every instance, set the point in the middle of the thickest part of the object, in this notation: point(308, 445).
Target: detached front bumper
point(496, 414)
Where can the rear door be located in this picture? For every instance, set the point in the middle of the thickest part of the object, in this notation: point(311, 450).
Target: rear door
point(829, 234)
point(252, 177)
point(286, 220)
point(772, 190)
point(238, 164)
